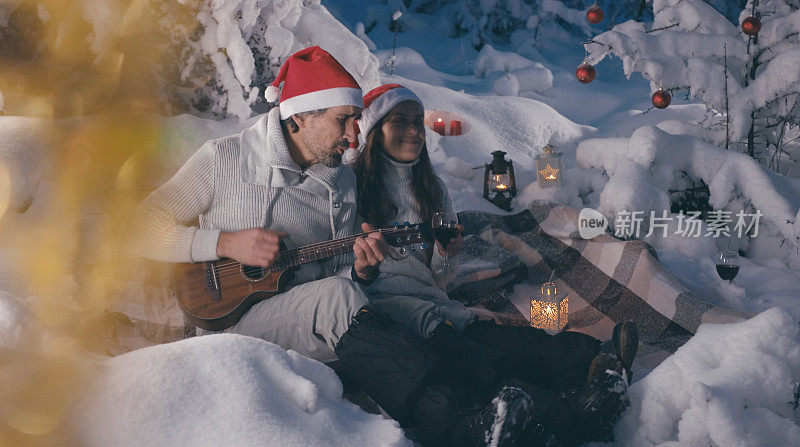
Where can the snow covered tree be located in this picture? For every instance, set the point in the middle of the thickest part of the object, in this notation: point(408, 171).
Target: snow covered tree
point(749, 84)
point(222, 65)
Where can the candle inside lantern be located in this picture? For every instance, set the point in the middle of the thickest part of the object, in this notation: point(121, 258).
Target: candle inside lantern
point(501, 181)
point(550, 310)
point(455, 127)
point(498, 181)
point(549, 167)
point(438, 126)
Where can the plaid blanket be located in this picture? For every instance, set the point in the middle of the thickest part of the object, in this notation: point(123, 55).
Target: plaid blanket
point(506, 258)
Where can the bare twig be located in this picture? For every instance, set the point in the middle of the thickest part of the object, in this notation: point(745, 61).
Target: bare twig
point(662, 28)
point(727, 111)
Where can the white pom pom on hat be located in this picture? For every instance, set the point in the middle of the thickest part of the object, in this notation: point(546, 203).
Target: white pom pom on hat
point(272, 93)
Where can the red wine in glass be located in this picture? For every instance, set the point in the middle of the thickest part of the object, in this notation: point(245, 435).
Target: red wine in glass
point(727, 272)
point(445, 234)
point(445, 228)
point(727, 264)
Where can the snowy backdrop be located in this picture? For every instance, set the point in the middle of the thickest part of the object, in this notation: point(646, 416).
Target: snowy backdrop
point(102, 100)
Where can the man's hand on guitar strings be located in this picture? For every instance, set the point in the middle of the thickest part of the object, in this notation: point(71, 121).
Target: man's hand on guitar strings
point(369, 251)
point(254, 246)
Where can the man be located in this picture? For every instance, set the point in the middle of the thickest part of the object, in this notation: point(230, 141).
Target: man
point(280, 180)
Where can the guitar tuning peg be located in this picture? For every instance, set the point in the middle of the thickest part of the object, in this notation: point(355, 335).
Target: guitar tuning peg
point(412, 247)
point(423, 246)
point(402, 251)
point(395, 224)
point(406, 224)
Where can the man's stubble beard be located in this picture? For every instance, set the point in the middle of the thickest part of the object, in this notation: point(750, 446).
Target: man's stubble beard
point(330, 157)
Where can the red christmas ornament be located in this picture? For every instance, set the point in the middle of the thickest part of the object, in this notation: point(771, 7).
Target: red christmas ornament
point(661, 99)
point(751, 25)
point(585, 73)
point(594, 14)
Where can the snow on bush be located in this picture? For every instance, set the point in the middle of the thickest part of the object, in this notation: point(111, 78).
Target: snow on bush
point(510, 73)
point(642, 169)
point(238, 47)
point(750, 85)
point(223, 390)
point(730, 385)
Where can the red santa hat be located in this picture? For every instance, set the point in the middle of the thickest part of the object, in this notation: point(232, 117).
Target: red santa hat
point(312, 79)
point(379, 101)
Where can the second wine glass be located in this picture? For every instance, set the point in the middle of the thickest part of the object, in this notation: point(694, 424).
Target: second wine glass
point(727, 264)
point(445, 228)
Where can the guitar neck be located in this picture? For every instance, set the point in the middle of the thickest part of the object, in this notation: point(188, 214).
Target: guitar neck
point(315, 252)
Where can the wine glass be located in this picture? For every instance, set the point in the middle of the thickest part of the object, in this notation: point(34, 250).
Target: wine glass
point(445, 227)
point(727, 264)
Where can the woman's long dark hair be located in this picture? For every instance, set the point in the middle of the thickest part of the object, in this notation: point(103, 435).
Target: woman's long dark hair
point(374, 204)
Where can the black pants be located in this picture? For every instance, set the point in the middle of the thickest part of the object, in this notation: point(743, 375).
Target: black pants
point(551, 362)
point(434, 385)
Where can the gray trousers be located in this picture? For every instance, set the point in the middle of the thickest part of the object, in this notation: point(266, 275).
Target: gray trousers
point(309, 318)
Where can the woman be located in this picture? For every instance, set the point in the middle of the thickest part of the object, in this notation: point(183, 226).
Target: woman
point(397, 183)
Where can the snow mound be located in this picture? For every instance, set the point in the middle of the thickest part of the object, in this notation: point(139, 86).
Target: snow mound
point(643, 168)
point(729, 385)
point(223, 390)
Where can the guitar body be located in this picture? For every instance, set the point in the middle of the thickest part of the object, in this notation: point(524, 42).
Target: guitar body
point(215, 295)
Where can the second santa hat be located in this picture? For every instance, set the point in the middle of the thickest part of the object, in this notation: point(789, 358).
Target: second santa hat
point(312, 79)
point(378, 102)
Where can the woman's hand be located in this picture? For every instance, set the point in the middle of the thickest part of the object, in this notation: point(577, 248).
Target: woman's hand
point(369, 251)
point(454, 246)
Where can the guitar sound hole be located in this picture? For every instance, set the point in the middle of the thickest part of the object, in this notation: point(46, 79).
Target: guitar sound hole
point(253, 273)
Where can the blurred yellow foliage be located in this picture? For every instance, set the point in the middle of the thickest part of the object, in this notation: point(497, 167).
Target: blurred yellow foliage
point(87, 65)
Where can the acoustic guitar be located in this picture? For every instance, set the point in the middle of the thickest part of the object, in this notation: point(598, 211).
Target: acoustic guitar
point(214, 295)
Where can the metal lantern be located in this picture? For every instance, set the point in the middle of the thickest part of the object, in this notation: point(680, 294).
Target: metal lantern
point(499, 186)
point(549, 171)
point(550, 311)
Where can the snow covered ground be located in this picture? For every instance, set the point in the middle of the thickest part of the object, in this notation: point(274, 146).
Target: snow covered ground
point(729, 385)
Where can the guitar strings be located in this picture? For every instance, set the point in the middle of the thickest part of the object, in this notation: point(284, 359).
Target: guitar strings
point(286, 259)
point(291, 256)
point(292, 253)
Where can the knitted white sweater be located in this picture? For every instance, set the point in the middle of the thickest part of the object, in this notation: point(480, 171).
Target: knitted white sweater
point(244, 181)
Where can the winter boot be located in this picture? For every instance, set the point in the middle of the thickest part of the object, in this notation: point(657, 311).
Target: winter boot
point(464, 362)
point(590, 412)
point(505, 421)
point(601, 364)
point(386, 361)
point(625, 339)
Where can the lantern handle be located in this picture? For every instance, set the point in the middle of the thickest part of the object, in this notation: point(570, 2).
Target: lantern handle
point(551, 275)
point(550, 149)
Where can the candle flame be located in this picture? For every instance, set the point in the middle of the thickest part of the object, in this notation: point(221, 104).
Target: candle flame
point(438, 120)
